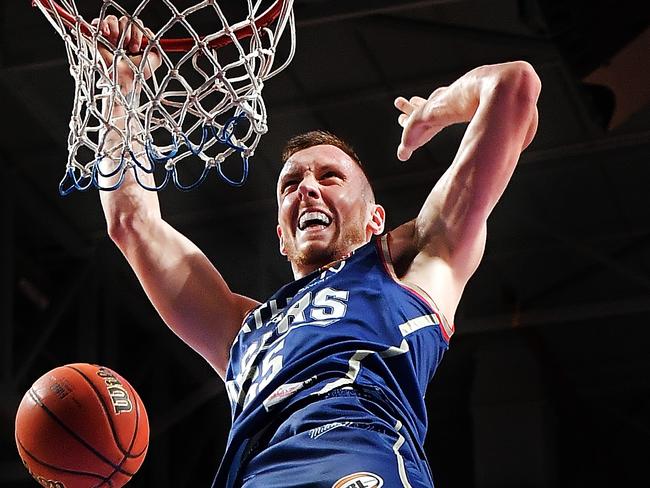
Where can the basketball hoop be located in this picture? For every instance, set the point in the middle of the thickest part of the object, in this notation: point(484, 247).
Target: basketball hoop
point(203, 104)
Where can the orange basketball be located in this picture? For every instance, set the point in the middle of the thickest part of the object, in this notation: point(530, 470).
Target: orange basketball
point(81, 426)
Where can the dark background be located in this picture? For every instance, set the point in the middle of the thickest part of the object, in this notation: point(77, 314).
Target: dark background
point(547, 382)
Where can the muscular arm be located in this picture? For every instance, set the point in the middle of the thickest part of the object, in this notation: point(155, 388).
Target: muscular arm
point(185, 288)
point(440, 250)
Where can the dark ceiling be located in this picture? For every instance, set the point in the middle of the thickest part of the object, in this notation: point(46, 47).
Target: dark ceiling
point(547, 382)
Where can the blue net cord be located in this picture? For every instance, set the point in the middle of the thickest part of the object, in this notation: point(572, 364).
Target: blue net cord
point(82, 179)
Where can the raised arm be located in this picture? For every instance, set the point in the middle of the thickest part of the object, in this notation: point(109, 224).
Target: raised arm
point(185, 288)
point(440, 250)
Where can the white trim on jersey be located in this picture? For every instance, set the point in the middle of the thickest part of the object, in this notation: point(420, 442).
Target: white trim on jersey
point(354, 365)
point(349, 378)
point(396, 351)
point(400, 460)
point(447, 328)
point(418, 323)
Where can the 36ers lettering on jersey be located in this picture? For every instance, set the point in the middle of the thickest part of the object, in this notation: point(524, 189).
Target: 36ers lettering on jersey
point(349, 324)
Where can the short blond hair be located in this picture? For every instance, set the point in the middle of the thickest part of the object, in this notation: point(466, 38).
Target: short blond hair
point(318, 138)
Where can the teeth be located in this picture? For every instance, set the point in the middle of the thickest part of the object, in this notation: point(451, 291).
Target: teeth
point(310, 217)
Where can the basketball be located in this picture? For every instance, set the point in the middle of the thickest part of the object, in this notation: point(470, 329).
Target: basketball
point(82, 425)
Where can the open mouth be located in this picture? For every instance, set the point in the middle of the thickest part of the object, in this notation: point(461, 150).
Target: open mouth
point(313, 219)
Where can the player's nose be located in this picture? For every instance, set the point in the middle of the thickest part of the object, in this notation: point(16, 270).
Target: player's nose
point(308, 188)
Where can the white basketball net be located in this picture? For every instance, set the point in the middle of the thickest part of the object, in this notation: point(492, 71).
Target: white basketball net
point(203, 103)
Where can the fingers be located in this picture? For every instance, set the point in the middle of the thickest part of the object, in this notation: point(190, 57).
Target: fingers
point(110, 28)
point(417, 131)
point(403, 154)
point(403, 104)
point(414, 136)
point(123, 32)
point(407, 106)
point(103, 26)
point(405, 120)
point(406, 147)
point(417, 101)
point(421, 119)
point(136, 38)
point(125, 29)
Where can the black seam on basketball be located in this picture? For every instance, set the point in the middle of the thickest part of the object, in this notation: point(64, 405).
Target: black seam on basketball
point(126, 454)
point(35, 397)
point(56, 468)
point(109, 416)
point(76, 436)
point(135, 434)
point(105, 481)
point(110, 476)
point(138, 403)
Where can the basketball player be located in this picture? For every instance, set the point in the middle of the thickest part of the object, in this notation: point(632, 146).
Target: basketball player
point(327, 378)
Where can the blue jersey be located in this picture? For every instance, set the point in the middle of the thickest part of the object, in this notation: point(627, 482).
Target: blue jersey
point(349, 324)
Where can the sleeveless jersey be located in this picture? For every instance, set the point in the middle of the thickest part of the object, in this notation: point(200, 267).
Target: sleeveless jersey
point(351, 323)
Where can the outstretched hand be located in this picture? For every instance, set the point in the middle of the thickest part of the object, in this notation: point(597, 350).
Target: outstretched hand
point(112, 29)
point(421, 119)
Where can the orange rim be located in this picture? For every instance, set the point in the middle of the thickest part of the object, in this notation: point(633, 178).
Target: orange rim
point(170, 45)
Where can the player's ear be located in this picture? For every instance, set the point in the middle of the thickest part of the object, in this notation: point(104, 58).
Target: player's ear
point(377, 219)
point(283, 250)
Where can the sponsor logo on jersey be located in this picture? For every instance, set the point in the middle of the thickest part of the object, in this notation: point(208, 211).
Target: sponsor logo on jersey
point(359, 480)
point(316, 432)
point(285, 391)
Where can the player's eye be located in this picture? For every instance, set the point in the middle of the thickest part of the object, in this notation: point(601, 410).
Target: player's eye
point(289, 185)
point(329, 175)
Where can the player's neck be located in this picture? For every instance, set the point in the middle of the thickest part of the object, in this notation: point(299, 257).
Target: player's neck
point(302, 269)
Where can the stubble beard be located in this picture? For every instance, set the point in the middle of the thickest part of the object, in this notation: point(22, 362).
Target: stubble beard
point(353, 237)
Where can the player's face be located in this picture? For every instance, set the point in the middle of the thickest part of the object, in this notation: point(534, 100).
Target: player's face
point(325, 207)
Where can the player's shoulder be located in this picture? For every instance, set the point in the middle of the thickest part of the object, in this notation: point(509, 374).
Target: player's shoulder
point(426, 270)
point(400, 246)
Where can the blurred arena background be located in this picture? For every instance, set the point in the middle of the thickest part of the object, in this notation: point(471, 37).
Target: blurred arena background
point(547, 382)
